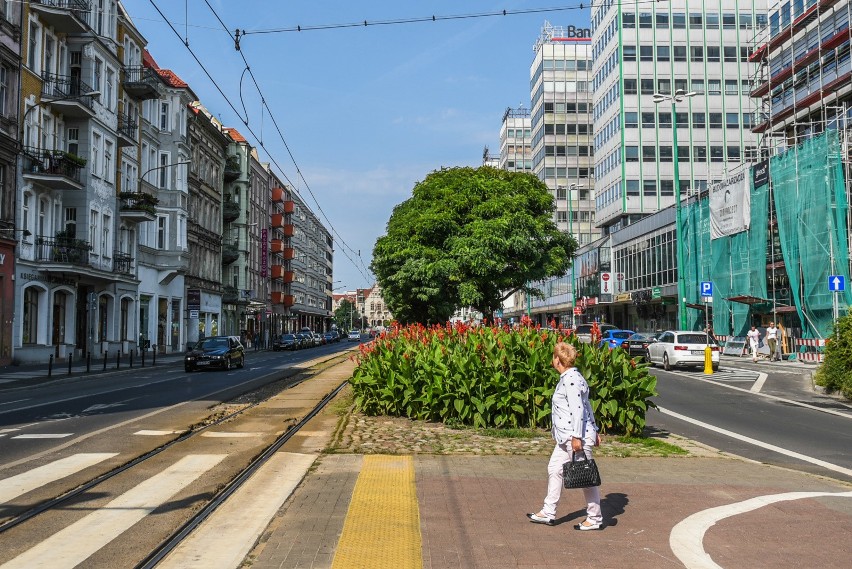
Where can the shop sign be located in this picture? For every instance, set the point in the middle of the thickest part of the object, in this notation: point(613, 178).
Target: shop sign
point(193, 299)
point(656, 293)
point(623, 297)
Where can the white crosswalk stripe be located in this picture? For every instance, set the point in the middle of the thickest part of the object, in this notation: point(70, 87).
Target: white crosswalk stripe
point(12, 487)
point(724, 374)
point(71, 546)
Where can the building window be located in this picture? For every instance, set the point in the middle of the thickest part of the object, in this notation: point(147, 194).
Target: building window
point(649, 120)
point(713, 54)
point(730, 54)
point(715, 120)
point(162, 228)
point(696, 53)
point(630, 86)
point(647, 86)
point(732, 120)
point(717, 154)
point(631, 119)
point(649, 153)
point(108, 151)
point(163, 166)
point(646, 53)
point(30, 317)
point(34, 51)
point(665, 153)
point(164, 115)
point(631, 154)
point(97, 143)
point(4, 90)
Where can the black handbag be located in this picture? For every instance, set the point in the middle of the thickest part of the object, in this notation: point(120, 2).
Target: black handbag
point(580, 473)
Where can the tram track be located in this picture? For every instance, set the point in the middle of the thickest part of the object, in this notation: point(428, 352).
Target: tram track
point(194, 432)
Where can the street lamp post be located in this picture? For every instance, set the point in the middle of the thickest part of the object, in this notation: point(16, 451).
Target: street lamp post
point(571, 188)
point(677, 97)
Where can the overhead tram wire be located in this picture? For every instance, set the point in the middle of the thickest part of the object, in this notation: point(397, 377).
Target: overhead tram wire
point(245, 122)
point(284, 142)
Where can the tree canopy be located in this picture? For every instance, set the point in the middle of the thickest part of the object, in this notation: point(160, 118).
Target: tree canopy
point(468, 237)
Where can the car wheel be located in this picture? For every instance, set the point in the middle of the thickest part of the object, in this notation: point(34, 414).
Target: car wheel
point(647, 357)
point(715, 367)
point(666, 365)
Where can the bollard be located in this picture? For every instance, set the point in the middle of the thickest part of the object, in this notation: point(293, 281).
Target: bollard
point(70, 357)
point(50, 366)
point(154, 359)
point(88, 362)
point(131, 357)
point(708, 361)
point(118, 359)
point(105, 356)
point(143, 356)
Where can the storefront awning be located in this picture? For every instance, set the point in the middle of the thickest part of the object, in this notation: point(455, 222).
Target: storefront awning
point(746, 299)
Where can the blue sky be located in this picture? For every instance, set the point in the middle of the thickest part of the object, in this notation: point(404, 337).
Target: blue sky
point(366, 112)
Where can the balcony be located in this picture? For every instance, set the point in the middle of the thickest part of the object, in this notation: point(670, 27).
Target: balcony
point(288, 230)
point(230, 253)
point(277, 221)
point(54, 169)
point(278, 272)
point(230, 211)
point(278, 195)
point(127, 131)
point(280, 297)
point(289, 253)
point(233, 170)
point(122, 263)
point(65, 16)
point(289, 206)
point(138, 206)
point(276, 246)
point(140, 83)
point(230, 295)
point(62, 249)
point(68, 95)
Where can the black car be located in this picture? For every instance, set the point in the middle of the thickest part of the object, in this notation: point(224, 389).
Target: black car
point(305, 340)
point(331, 336)
point(223, 352)
point(637, 344)
point(285, 342)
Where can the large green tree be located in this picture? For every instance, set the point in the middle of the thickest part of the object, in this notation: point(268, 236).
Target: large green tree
point(346, 316)
point(468, 237)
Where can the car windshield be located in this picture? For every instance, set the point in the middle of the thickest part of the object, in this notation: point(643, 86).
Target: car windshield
point(693, 339)
point(621, 335)
point(214, 343)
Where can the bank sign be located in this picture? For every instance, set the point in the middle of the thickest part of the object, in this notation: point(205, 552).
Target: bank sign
point(575, 33)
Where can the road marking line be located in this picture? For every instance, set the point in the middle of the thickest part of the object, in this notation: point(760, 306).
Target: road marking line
point(755, 442)
point(774, 397)
point(15, 486)
point(73, 545)
point(224, 539)
point(687, 537)
point(758, 385)
point(155, 433)
point(225, 435)
point(44, 436)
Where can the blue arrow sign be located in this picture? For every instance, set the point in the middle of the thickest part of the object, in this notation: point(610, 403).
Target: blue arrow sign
point(706, 288)
point(836, 283)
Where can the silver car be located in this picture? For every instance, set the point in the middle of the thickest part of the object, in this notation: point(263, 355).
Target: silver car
point(682, 348)
point(584, 331)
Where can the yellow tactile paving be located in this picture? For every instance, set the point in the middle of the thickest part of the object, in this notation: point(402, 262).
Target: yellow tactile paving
point(382, 527)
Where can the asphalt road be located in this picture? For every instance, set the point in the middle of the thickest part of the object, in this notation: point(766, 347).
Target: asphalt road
point(783, 425)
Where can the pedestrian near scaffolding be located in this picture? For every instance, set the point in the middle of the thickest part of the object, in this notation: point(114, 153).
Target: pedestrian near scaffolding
point(753, 341)
point(772, 341)
point(574, 431)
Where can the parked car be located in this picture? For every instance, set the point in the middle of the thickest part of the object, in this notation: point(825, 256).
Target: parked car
point(318, 339)
point(331, 336)
point(584, 331)
point(216, 351)
point(285, 342)
point(682, 348)
point(354, 336)
point(613, 338)
point(637, 344)
point(305, 340)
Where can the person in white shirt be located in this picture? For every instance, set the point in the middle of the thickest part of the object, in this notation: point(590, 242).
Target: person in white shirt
point(772, 341)
point(753, 341)
point(574, 431)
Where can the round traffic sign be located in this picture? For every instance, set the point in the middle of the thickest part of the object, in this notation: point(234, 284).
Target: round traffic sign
point(605, 276)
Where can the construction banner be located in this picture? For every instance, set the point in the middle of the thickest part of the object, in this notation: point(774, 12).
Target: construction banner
point(730, 206)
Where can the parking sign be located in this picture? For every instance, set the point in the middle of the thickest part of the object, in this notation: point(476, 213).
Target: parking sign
point(706, 288)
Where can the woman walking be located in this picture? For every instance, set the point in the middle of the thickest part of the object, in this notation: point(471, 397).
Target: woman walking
point(574, 430)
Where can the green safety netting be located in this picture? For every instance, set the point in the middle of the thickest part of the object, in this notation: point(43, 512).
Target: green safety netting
point(735, 264)
point(810, 200)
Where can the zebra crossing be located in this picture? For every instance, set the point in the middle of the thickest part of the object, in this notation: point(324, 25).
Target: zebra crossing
point(222, 541)
point(724, 374)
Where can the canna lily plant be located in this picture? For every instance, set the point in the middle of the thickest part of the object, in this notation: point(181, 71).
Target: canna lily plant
point(493, 376)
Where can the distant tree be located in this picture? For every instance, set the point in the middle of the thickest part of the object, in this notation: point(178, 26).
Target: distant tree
point(468, 237)
point(346, 315)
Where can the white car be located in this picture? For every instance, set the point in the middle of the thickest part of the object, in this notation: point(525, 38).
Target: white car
point(354, 336)
point(682, 348)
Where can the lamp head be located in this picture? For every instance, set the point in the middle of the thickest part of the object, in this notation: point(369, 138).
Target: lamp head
point(94, 94)
point(659, 98)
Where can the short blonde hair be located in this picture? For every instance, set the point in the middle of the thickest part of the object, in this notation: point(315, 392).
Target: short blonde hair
point(565, 353)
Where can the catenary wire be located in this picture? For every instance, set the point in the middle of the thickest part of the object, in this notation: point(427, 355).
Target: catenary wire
point(245, 121)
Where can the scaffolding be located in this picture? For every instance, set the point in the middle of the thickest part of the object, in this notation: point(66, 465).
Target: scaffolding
point(800, 89)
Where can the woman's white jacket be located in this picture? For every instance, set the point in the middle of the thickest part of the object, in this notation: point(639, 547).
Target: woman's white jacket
point(571, 412)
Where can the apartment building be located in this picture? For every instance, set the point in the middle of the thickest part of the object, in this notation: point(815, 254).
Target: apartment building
point(72, 294)
point(516, 141)
point(312, 266)
point(10, 64)
point(207, 252)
